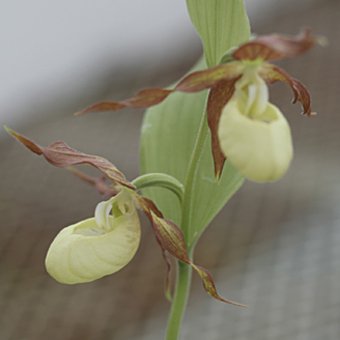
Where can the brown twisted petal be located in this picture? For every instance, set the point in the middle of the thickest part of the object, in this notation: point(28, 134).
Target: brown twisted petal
point(272, 73)
point(194, 82)
point(171, 240)
point(61, 155)
point(275, 46)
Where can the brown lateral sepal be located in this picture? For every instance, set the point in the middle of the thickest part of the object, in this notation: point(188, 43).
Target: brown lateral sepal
point(219, 96)
point(171, 240)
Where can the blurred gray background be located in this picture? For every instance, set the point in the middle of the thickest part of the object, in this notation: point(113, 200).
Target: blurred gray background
point(275, 247)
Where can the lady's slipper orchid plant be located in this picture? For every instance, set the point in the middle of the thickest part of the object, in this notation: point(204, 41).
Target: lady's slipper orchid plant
point(245, 128)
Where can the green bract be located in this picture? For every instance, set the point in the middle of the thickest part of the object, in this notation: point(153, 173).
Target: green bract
point(96, 247)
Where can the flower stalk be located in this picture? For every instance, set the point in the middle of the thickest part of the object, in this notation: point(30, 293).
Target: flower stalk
point(162, 181)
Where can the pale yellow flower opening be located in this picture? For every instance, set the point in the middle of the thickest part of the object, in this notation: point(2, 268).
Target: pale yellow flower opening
point(254, 135)
point(97, 246)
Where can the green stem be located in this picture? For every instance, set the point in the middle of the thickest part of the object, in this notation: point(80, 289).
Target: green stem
point(160, 180)
point(179, 301)
point(183, 281)
point(237, 31)
point(192, 177)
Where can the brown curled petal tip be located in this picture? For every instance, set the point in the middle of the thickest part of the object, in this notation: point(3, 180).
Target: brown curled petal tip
point(101, 107)
point(210, 288)
point(272, 73)
point(25, 141)
point(142, 99)
point(275, 46)
point(201, 80)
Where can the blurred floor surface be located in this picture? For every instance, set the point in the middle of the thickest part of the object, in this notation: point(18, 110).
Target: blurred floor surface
point(275, 247)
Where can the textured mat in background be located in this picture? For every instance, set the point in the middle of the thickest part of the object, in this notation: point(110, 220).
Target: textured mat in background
point(275, 247)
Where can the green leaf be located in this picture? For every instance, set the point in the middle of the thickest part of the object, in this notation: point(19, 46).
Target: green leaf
point(170, 129)
point(168, 136)
point(221, 24)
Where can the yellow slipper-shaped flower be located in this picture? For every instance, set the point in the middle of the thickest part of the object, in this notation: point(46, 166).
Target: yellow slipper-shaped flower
point(96, 247)
point(260, 148)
